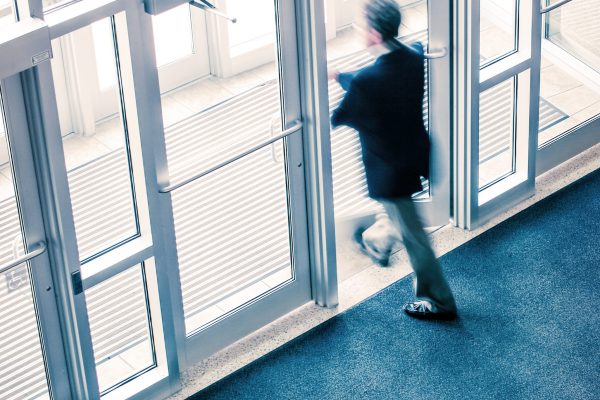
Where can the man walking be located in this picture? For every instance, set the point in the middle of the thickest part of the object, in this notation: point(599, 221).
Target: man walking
point(384, 103)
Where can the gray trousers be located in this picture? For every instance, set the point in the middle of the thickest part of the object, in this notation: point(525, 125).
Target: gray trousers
point(430, 283)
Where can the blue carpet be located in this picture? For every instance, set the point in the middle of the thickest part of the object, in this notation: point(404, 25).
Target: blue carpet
point(528, 292)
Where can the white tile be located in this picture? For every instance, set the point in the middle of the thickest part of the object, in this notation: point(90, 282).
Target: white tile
point(201, 95)
point(111, 134)
point(80, 150)
point(554, 80)
point(588, 112)
point(202, 318)
point(139, 356)
point(574, 100)
point(174, 111)
point(242, 82)
point(112, 371)
point(278, 278)
point(243, 296)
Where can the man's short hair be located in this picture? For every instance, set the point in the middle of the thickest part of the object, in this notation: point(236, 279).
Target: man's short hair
point(383, 16)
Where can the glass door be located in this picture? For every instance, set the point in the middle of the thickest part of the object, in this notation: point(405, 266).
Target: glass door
point(569, 80)
point(423, 21)
point(236, 179)
point(497, 106)
point(104, 214)
point(32, 358)
point(532, 97)
point(181, 43)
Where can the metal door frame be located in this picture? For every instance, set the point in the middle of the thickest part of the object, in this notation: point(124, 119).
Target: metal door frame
point(259, 312)
point(43, 283)
point(579, 138)
point(473, 207)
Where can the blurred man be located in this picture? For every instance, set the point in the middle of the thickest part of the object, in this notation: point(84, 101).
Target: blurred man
point(384, 103)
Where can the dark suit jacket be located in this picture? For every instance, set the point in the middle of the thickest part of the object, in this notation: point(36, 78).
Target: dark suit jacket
point(384, 103)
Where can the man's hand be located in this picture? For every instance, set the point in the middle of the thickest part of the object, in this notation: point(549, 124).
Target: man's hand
point(333, 74)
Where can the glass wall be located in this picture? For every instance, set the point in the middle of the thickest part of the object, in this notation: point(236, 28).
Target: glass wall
point(569, 97)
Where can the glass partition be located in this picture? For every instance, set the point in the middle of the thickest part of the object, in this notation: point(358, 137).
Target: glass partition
point(569, 96)
point(498, 29)
point(120, 327)
point(95, 138)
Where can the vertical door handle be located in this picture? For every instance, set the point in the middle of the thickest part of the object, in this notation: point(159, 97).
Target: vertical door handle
point(273, 129)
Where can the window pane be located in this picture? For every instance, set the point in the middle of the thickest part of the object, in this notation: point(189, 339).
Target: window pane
point(95, 139)
point(172, 35)
point(255, 24)
point(54, 4)
point(120, 327)
point(232, 236)
point(574, 27)
point(498, 27)
point(7, 15)
point(210, 120)
point(497, 107)
point(346, 51)
point(568, 98)
point(22, 370)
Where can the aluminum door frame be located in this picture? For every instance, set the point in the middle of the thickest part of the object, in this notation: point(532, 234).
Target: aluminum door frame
point(471, 207)
point(45, 283)
point(263, 310)
point(142, 97)
point(580, 137)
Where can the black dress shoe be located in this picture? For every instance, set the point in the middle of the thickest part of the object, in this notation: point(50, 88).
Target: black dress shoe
point(424, 310)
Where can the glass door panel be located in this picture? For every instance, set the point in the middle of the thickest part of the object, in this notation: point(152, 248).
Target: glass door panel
point(226, 222)
point(570, 69)
point(173, 23)
point(181, 46)
point(22, 364)
point(497, 108)
point(120, 327)
point(233, 236)
point(572, 28)
point(97, 153)
point(102, 165)
point(236, 214)
point(499, 142)
point(7, 15)
point(498, 29)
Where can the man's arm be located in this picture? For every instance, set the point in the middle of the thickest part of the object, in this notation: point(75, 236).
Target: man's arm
point(344, 78)
point(354, 108)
